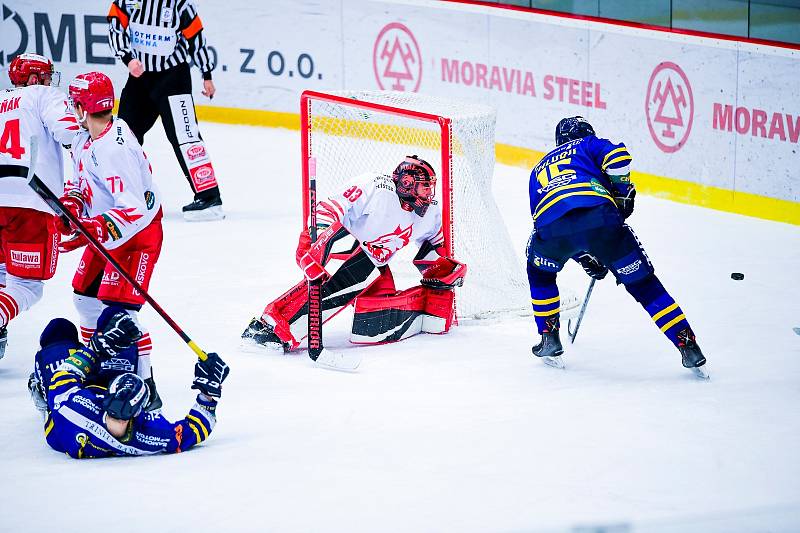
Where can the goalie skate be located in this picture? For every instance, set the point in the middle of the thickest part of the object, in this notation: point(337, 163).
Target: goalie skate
point(261, 335)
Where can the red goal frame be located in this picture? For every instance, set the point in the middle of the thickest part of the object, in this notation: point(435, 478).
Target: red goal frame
point(309, 162)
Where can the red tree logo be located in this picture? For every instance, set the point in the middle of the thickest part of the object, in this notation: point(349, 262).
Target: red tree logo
point(396, 59)
point(669, 107)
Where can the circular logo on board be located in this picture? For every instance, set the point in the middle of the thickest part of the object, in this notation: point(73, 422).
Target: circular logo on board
point(669, 107)
point(396, 59)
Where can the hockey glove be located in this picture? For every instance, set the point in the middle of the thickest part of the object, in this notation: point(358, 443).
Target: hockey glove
point(624, 200)
point(80, 361)
point(444, 273)
point(73, 242)
point(73, 202)
point(120, 333)
point(209, 375)
point(593, 267)
point(303, 244)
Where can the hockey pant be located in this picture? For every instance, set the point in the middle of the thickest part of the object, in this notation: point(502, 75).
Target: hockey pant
point(600, 232)
point(97, 284)
point(28, 256)
point(168, 94)
point(381, 313)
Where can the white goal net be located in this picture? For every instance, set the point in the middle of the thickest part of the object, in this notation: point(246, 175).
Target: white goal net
point(347, 133)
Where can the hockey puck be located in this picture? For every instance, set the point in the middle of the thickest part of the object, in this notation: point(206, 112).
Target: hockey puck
point(738, 276)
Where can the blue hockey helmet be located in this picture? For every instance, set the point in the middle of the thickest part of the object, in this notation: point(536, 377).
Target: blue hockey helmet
point(571, 128)
point(57, 331)
point(126, 397)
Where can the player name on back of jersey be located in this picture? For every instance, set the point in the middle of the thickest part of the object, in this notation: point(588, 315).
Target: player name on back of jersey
point(10, 104)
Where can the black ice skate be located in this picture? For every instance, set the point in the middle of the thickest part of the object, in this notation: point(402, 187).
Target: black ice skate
point(549, 348)
point(155, 402)
point(261, 334)
point(691, 355)
point(204, 209)
point(3, 340)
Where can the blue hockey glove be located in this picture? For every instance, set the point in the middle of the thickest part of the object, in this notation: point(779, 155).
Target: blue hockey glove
point(624, 200)
point(116, 332)
point(209, 375)
point(593, 267)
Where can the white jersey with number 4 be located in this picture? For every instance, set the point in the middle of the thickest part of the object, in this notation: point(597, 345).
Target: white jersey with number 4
point(36, 111)
point(370, 210)
point(115, 179)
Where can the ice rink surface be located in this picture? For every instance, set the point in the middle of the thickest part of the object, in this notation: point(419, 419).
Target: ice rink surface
point(465, 432)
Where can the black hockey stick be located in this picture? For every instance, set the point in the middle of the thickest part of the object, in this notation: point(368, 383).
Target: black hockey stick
point(55, 204)
point(316, 351)
point(572, 333)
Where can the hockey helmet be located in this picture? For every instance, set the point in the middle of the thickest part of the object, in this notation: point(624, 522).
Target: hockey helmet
point(24, 65)
point(415, 184)
point(571, 128)
point(126, 397)
point(93, 91)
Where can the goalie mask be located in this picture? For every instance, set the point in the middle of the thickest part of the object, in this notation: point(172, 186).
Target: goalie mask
point(569, 129)
point(415, 184)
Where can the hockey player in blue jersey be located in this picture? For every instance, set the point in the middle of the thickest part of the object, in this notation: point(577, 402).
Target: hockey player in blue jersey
point(85, 419)
point(580, 195)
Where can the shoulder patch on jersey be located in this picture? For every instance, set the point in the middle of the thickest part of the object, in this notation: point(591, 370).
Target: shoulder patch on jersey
point(149, 199)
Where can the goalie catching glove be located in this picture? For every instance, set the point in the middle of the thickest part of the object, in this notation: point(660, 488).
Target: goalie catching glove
point(209, 375)
point(444, 273)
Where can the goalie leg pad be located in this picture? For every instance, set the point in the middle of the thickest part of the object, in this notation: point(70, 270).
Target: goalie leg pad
point(384, 318)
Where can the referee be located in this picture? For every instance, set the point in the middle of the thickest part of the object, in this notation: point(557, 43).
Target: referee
point(155, 39)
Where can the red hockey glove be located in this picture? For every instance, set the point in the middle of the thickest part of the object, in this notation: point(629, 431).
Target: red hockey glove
point(444, 273)
point(96, 226)
point(73, 202)
point(303, 244)
point(72, 242)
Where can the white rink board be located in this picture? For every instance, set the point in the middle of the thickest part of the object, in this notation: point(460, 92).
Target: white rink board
point(268, 53)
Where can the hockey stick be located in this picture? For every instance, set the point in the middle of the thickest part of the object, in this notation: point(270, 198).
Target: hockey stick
point(316, 351)
point(55, 204)
point(574, 333)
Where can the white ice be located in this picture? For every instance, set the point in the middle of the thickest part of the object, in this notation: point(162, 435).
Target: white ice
point(465, 432)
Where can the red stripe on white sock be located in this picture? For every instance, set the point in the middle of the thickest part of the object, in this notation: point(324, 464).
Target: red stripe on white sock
point(9, 307)
point(145, 345)
point(86, 334)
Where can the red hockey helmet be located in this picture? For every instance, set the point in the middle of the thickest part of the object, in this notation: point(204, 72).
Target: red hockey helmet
point(415, 183)
point(93, 91)
point(24, 65)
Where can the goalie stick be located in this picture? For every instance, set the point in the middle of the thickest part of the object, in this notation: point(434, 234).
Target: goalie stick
point(574, 333)
point(316, 351)
point(55, 204)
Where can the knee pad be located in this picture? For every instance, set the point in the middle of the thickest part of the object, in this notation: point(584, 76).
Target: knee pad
point(390, 318)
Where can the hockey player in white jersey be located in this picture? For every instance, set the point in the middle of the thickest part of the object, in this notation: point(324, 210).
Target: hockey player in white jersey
point(29, 250)
point(113, 194)
point(384, 213)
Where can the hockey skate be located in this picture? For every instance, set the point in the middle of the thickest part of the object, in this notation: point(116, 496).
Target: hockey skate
point(204, 209)
point(691, 355)
point(549, 348)
point(3, 340)
point(259, 333)
point(155, 402)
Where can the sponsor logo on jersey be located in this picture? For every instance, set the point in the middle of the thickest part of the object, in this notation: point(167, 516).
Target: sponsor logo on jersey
point(152, 440)
point(113, 229)
point(630, 269)
point(384, 247)
point(396, 59)
point(598, 187)
point(111, 279)
point(149, 199)
point(557, 182)
point(26, 259)
point(669, 106)
point(86, 403)
point(166, 14)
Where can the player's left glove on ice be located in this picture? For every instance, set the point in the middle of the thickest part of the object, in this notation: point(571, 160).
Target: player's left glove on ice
point(444, 273)
point(209, 375)
point(118, 334)
point(593, 267)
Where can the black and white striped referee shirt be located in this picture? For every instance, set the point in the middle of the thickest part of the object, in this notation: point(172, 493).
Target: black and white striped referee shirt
point(160, 33)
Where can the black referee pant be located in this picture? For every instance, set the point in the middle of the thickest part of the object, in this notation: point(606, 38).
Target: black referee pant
point(147, 97)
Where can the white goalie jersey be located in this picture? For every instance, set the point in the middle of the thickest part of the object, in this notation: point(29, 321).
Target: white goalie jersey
point(370, 210)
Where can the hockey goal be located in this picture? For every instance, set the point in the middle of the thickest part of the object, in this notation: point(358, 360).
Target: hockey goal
point(347, 133)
